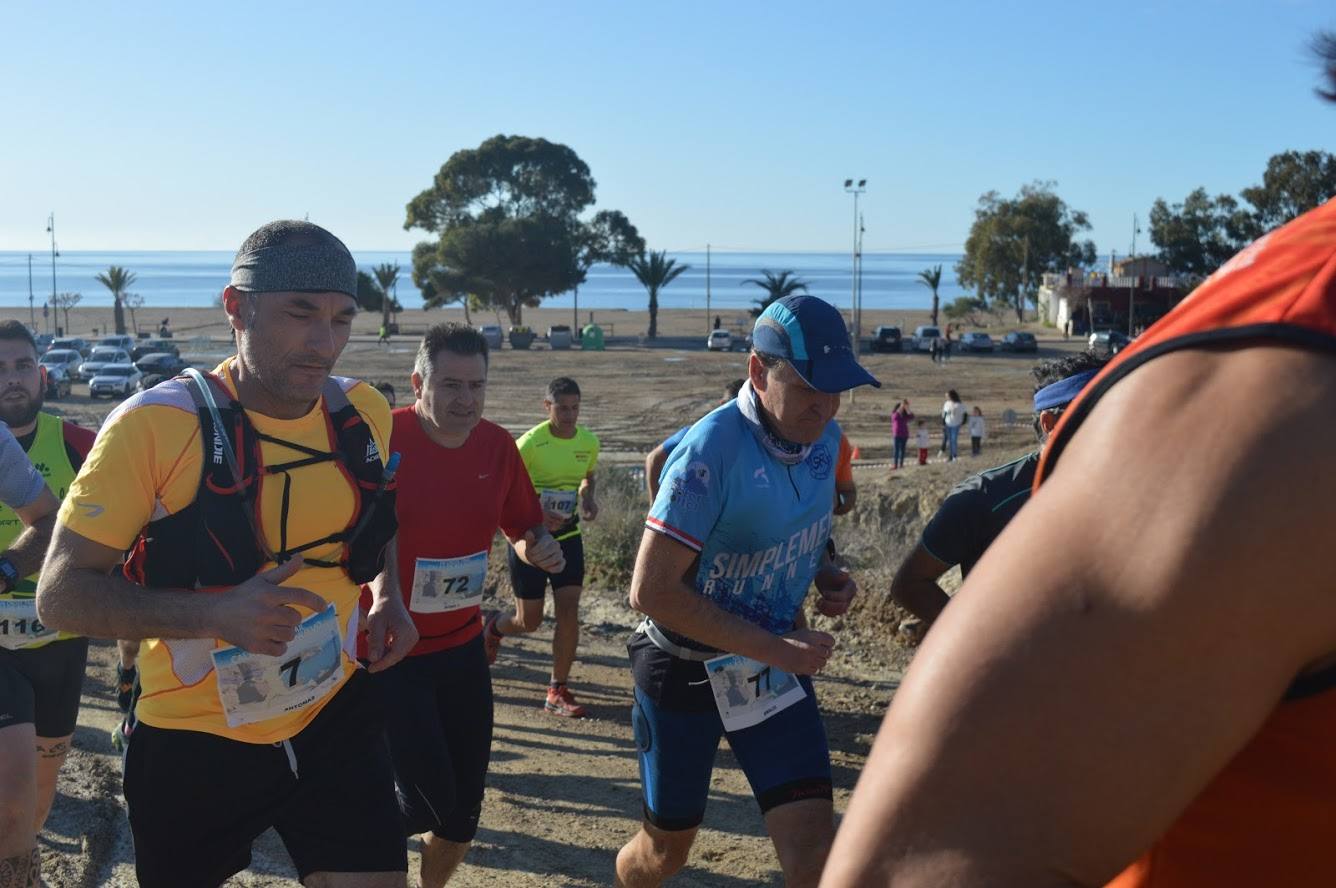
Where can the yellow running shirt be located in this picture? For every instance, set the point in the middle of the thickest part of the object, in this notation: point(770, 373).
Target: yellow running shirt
point(557, 466)
point(147, 461)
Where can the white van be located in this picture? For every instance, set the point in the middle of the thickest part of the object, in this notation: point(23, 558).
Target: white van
point(924, 336)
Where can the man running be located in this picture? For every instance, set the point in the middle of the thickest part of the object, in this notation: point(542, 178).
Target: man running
point(978, 508)
point(654, 462)
point(256, 499)
point(30, 753)
point(1135, 685)
point(462, 480)
point(745, 513)
point(50, 664)
point(560, 457)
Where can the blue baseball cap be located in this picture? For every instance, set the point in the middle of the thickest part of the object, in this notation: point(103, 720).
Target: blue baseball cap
point(810, 334)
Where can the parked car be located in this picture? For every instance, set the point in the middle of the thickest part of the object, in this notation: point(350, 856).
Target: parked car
point(492, 333)
point(43, 341)
point(976, 342)
point(57, 383)
point(1019, 342)
point(148, 380)
point(1108, 342)
point(923, 337)
point(742, 343)
point(719, 341)
point(153, 347)
point(887, 339)
point(74, 342)
point(122, 342)
point(102, 357)
point(66, 360)
point(114, 379)
point(163, 363)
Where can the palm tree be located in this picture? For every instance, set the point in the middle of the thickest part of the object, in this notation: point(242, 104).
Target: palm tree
point(932, 278)
point(776, 287)
point(133, 301)
point(655, 271)
point(117, 280)
point(387, 275)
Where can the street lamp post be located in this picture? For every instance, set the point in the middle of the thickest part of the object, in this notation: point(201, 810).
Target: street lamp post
point(856, 295)
point(51, 228)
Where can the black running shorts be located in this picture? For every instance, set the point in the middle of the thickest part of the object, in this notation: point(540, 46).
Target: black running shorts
point(197, 800)
point(530, 582)
point(438, 717)
point(42, 685)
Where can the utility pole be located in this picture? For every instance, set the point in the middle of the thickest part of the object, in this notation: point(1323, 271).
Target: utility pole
point(1025, 276)
point(32, 315)
point(855, 190)
point(1132, 285)
point(858, 313)
point(51, 227)
point(708, 324)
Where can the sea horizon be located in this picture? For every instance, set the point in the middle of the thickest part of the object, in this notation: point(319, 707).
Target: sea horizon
point(194, 278)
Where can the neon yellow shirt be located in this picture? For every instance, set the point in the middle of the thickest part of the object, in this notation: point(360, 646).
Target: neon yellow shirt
point(557, 466)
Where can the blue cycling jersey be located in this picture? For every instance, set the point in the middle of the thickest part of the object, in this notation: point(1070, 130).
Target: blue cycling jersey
point(674, 439)
point(760, 526)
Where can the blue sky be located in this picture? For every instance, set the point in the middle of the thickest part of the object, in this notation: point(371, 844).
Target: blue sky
point(185, 126)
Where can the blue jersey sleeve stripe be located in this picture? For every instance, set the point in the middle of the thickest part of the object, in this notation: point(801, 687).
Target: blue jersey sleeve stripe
point(668, 530)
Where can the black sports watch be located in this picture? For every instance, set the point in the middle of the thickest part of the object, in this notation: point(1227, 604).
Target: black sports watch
point(9, 575)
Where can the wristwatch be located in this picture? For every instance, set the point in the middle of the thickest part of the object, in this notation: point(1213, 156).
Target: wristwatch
point(9, 575)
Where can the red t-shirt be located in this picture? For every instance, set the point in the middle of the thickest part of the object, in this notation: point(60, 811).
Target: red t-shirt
point(450, 503)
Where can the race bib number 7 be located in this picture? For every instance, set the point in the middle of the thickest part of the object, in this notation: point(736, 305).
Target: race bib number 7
point(19, 626)
point(441, 585)
point(256, 687)
point(747, 691)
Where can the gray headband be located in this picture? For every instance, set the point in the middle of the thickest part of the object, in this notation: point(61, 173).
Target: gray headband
point(312, 269)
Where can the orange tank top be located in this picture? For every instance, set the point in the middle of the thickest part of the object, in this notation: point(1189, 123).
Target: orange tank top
point(1269, 818)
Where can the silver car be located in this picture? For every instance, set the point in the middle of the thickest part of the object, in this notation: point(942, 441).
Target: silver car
point(113, 380)
point(103, 356)
point(64, 360)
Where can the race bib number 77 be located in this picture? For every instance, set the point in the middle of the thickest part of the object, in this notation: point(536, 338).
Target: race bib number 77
point(747, 691)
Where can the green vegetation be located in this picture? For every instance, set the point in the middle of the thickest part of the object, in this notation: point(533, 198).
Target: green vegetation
point(1013, 241)
point(655, 271)
point(776, 287)
point(387, 275)
point(612, 541)
point(932, 279)
point(507, 219)
point(117, 280)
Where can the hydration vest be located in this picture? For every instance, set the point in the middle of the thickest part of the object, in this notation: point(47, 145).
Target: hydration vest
point(1269, 817)
point(213, 541)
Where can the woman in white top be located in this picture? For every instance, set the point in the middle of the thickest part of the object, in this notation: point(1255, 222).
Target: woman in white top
point(953, 415)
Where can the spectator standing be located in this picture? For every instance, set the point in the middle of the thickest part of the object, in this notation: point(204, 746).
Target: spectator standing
point(953, 417)
point(901, 417)
point(977, 430)
point(946, 348)
point(921, 441)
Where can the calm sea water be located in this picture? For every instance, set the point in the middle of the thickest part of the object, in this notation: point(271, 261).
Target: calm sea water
point(183, 278)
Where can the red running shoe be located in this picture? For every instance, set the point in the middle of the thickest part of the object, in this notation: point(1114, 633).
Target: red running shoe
point(560, 701)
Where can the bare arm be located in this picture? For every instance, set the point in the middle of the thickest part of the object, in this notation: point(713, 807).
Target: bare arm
point(39, 518)
point(1092, 676)
point(653, 468)
point(79, 592)
point(659, 590)
point(390, 631)
point(588, 499)
point(915, 585)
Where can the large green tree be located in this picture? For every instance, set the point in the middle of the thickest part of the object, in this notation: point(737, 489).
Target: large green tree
point(1294, 183)
point(777, 285)
point(117, 280)
point(655, 271)
point(1195, 237)
point(1013, 241)
point(506, 216)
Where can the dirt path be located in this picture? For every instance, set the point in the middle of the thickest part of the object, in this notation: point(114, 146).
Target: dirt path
point(562, 795)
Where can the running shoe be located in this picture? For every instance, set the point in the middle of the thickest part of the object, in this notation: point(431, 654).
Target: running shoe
point(491, 640)
point(125, 686)
point(560, 701)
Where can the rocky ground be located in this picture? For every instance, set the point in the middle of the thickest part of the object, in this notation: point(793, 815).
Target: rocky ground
point(564, 795)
